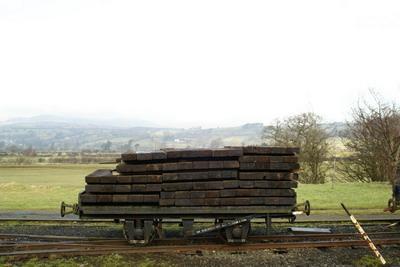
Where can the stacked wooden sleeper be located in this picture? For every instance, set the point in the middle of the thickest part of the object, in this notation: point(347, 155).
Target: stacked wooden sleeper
point(233, 176)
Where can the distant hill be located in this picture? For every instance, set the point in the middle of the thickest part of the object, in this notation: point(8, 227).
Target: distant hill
point(49, 133)
point(51, 121)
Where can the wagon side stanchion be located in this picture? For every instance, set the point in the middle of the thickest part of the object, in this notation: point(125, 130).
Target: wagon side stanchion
point(364, 235)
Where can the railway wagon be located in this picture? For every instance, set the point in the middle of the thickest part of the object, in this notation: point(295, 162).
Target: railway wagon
point(231, 186)
point(394, 202)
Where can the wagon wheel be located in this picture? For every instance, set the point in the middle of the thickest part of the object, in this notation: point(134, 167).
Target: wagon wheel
point(237, 233)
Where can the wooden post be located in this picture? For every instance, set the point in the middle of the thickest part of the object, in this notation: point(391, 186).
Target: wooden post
point(365, 236)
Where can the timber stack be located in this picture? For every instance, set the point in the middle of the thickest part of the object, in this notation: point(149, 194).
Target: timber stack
point(230, 176)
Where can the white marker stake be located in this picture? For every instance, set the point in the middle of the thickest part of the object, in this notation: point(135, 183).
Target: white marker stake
point(365, 236)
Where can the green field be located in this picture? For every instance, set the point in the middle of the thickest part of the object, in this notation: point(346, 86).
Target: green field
point(44, 187)
point(41, 187)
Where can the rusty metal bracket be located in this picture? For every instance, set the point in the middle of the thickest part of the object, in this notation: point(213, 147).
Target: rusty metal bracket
point(224, 225)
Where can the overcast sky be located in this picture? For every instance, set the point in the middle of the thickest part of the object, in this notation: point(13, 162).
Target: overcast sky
point(188, 63)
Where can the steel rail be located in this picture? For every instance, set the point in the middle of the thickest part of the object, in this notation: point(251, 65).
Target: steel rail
point(250, 238)
point(193, 248)
point(121, 243)
point(53, 237)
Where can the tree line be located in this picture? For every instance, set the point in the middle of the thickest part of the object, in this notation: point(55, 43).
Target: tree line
point(372, 137)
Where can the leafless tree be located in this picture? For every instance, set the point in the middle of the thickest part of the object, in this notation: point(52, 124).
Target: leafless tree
point(374, 139)
point(304, 131)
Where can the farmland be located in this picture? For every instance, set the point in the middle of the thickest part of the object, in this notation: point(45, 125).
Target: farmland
point(43, 187)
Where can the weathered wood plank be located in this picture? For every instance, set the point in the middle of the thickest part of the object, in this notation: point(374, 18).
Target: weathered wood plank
point(246, 184)
point(200, 165)
point(257, 193)
point(126, 179)
point(189, 202)
point(270, 201)
point(104, 198)
point(100, 173)
point(216, 164)
point(273, 166)
point(231, 164)
point(185, 165)
point(130, 168)
point(169, 177)
point(167, 202)
point(188, 153)
point(182, 194)
point(167, 195)
point(231, 184)
point(176, 166)
point(177, 186)
point(136, 188)
point(208, 185)
point(227, 152)
point(87, 198)
point(190, 176)
point(138, 179)
point(204, 194)
point(125, 188)
point(128, 157)
point(100, 188)
point(287, 176)
point(199, 176)
point(100, 176)
point(275, 184)
point(226, 174)
point(143, 156)
point(153, 187)
point(151, 198)
point(269, 159)
point(170, 167)
point(268, 150)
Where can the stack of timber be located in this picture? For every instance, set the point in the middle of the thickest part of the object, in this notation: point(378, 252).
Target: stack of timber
point(231, 176)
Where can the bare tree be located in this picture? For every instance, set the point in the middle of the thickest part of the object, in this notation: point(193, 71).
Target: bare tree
point(303, 131)
point(29, 152)
point(374, 139)
point(137, 147)
point(106, 146)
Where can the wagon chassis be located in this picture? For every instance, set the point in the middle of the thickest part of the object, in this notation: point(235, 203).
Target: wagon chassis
point(142, 224)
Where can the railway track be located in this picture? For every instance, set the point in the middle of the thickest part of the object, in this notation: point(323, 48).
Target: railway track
point(258, 237)
point(172, 221)
point(68, 247)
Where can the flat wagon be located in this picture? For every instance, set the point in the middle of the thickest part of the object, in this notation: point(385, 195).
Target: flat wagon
point(231, 186)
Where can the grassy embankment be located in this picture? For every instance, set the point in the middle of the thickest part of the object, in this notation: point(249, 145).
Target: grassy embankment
point(44, 187)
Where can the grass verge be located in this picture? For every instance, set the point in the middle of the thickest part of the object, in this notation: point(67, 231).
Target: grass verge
point(44, 187)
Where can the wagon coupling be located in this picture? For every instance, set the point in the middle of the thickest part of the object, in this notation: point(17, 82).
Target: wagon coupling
point(392, 205)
